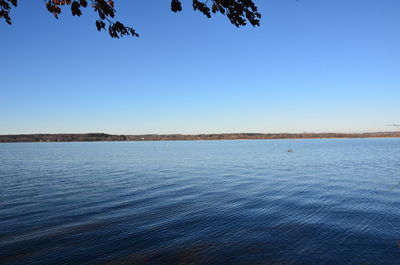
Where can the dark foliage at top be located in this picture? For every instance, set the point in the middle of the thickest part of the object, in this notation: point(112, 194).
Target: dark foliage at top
point(239, 12)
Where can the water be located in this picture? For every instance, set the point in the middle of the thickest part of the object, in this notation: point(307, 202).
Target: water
point(201, 202)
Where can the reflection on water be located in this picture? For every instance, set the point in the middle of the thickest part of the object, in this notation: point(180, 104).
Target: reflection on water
point(201, 202)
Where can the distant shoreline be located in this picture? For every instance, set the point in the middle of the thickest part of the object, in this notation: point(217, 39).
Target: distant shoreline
point(102, 137)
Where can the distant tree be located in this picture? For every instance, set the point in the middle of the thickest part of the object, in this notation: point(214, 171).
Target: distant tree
point(239, 12)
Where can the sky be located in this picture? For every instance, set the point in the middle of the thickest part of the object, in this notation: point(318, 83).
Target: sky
point(312, 66)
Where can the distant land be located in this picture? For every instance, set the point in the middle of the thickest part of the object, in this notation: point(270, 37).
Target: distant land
point(90, 137)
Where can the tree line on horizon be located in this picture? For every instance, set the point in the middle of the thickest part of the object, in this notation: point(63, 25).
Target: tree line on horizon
point(90, 137)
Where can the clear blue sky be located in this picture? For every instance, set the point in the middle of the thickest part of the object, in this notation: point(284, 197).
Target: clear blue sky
point(313, 65)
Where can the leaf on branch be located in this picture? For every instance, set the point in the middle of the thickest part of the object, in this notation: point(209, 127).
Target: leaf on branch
point(5, 10)
point(100, 25)
point(237, 11)
point(83, 3)
point(5, 14)
point(104, 7)
point(118, 30)
point(202, 7)
point(176, 6)
point(76, 9)
point(54, 8)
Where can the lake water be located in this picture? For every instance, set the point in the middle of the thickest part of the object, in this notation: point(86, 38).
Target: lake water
point(333, 202)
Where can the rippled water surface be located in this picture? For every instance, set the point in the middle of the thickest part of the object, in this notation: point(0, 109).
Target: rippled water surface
point(201, 202)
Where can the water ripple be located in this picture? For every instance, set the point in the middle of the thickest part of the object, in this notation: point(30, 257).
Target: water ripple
point(206, 202)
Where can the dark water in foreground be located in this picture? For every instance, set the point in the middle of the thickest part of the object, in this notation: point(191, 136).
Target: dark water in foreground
point(201, 202)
